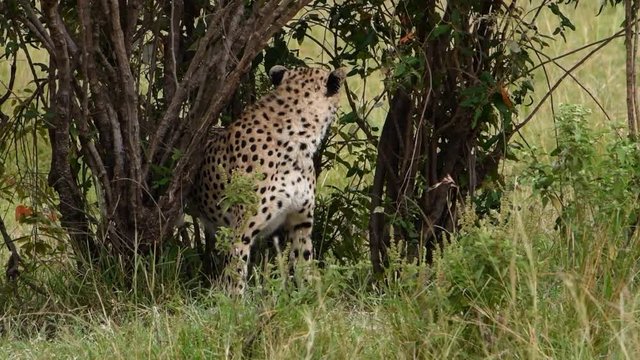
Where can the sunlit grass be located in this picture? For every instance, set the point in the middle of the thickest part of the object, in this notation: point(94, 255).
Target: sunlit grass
point(603, 74)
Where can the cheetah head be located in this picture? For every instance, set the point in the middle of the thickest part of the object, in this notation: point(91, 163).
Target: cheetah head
point(313, 81)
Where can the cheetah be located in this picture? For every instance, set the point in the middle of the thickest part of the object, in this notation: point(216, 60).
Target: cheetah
point(276, 137)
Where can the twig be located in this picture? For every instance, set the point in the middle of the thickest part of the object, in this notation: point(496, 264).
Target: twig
point(582, 86)
point(360, 122)
point(12, 271)
point(36, 27)
point(576, 50)
point(559, 81)
point(12, 79)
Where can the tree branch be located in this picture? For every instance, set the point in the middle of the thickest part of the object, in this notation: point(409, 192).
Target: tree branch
point(558, 82)
point(13, 263)
point(630, 68)
point(187, 84)
point(130, 124)
point(61, 177)
point(12, 79)
point(36, 27)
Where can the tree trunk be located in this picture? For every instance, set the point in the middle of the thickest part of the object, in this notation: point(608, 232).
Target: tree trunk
point(427, 159)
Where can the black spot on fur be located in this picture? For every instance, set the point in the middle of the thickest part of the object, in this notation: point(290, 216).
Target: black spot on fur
point(304, 225)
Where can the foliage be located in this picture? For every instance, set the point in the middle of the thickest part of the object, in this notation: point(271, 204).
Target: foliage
point(591, 182)
point(241, 199)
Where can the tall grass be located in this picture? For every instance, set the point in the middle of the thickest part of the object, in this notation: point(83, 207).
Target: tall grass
point(505, 288)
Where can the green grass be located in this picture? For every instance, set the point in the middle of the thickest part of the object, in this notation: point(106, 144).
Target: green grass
point(511, 286)
point(501, 291)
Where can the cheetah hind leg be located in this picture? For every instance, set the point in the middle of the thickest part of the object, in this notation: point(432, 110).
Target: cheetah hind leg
point(238, 267)
point(279, 242)
point(301, 255)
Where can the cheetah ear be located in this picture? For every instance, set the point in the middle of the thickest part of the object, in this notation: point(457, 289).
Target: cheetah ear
point(276, 74)
point(335, 81)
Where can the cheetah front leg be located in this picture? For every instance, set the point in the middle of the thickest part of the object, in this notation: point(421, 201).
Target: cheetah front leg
point(236, 281)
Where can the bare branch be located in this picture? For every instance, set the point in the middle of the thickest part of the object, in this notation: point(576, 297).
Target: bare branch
point(173, 41)
point(578, 49)
point(89, 149)
point(12, 80)
point(634, 51)
point(129, 106)
point(188, 83)
point(13, 263)
point(61, 177)
point(36, 27)
point(186, 166)
point(107, 126)
point(133, 9)
point(579, 83)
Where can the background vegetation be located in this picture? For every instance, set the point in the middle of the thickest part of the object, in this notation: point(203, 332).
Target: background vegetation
point(543, 263)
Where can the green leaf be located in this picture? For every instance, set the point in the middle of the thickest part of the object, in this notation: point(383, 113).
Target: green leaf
point(440, 30)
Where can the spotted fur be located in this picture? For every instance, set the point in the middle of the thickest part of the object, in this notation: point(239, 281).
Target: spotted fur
point(277, 137)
